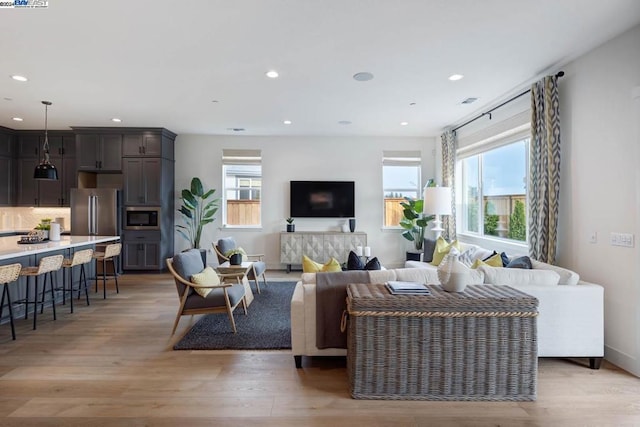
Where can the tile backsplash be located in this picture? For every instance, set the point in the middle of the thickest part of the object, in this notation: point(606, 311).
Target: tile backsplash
point(27, 218)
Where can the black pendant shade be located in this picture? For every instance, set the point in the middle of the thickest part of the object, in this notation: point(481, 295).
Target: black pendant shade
point(45, 170)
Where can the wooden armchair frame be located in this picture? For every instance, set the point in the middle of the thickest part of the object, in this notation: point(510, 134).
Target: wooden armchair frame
point(252, 257)
point(228, 308)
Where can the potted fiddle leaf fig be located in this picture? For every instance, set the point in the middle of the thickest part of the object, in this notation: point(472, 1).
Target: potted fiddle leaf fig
point(198, 209)
point(414, 222)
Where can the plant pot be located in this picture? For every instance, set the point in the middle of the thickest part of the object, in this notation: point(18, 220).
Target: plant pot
point(291, 228)
point(235, 259)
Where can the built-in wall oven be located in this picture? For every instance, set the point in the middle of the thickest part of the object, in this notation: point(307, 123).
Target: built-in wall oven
point(141, 218)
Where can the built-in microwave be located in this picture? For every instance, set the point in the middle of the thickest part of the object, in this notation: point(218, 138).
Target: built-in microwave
point(141, 218)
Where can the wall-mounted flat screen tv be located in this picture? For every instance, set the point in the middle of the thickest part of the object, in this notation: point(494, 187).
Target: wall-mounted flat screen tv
point(322, 199)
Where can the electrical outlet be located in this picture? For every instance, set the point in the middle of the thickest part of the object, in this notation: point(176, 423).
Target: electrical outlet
point(593, 237)
point(622, 239)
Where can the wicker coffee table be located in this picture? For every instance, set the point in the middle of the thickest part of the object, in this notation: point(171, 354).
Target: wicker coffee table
point(480, 344)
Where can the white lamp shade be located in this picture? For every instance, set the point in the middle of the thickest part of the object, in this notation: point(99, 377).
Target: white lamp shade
point(437, 201)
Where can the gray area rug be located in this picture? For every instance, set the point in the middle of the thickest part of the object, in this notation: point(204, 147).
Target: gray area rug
point(267, 325)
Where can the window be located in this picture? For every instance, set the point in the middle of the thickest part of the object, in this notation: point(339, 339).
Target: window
point(242, 179)
point(401, 175)
point(491, 189)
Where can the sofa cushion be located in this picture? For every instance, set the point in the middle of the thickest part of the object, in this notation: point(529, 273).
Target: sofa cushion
point(494, 261)
point(428, 246)
point(310, 266)
point(421, 275)
point(308, 278)
point(517, 277)
point(382, 276)
point(567, 277)
point(207, 277)
point(520, 262)
point(442, 249)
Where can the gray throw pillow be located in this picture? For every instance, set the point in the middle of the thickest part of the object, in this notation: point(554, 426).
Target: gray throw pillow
point(521, 262)
point(428, 246)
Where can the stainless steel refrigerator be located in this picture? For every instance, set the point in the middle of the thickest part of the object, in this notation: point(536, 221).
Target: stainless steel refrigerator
point(96, 212)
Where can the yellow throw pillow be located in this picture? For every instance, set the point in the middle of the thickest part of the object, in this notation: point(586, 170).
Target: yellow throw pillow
point(442, 249)
point(493, 261)
point(208, 277)
point(310, 266)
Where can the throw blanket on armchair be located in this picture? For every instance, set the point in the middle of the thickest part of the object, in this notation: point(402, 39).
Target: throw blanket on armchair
point(331, 296)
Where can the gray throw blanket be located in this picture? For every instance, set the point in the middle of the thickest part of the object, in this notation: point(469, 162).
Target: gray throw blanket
point(331, 295)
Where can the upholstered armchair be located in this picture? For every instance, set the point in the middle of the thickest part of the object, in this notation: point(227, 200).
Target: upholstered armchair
point(201, 290)
point(258, 267)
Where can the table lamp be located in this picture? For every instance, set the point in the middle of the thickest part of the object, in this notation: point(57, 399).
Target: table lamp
point(437, 201)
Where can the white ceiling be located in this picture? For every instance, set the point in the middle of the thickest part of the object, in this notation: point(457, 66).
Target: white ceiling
point(162, 63)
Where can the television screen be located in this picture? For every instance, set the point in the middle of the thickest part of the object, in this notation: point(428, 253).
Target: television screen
point(322, 199)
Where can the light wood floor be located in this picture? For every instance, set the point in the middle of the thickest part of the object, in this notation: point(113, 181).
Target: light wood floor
point(112, 364)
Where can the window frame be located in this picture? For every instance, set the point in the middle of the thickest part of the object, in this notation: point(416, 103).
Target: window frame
point(521, 133)
point(237, 157)
point(406, 158)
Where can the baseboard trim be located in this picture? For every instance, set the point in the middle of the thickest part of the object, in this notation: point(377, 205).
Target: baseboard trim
point(622, 360)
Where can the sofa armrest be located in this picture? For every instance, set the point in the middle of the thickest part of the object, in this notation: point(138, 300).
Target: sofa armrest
point(297, 320)
point(570, 320)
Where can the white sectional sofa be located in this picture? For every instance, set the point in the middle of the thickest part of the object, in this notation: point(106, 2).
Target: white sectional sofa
point(570, 320)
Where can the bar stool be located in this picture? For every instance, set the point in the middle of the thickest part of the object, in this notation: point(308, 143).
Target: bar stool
point(47, 264)
point(79, 258)
point(111, 252)
point(8, 274)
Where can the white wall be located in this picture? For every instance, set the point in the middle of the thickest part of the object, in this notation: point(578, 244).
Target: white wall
point(288, 158)
point(601, 184)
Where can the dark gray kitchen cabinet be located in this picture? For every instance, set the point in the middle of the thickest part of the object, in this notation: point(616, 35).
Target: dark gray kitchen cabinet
point(27, 194)
point(29, 146)
point(99, 152)
point(58, 193)
point(7, 167)
point(142, 145)
point(142, 181)
point(6, 180)
point(141, 250)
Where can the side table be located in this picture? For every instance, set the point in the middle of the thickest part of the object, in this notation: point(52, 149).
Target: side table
point(241, 272)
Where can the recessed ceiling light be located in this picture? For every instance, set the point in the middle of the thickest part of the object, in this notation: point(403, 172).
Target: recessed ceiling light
point(469, 100)
point(8, 99)
point(455, 77)
point(363, 76)
point(272, 74)
point(412, 104)
point(404, 123)
point(116, 120)
point(287, 122)
point(344, 122)
point(19, 78)
point(215, 101)
point(17, 119)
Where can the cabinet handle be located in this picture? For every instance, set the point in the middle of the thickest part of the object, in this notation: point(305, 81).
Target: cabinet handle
point(62, 151)
point(144, 150)
point(100, 164)
point(96, 164)
point(139, 150)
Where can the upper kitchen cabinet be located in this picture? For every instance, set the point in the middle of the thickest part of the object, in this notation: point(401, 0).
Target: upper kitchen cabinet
point(148, 143)
point(99, 152)
point(7, 166)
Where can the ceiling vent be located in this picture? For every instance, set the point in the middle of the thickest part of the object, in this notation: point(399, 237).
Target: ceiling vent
point(469, 101)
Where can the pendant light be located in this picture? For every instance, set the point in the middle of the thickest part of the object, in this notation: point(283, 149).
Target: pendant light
point(45, 170)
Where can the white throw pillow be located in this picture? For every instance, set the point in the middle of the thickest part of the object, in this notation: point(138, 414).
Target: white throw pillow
point(567, 277)
point(518, 276)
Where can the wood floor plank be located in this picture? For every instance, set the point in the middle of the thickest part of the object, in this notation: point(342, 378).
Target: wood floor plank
point(112, 364)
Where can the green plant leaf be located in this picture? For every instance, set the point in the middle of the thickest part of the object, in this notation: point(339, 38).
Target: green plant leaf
point(408, 235)
point(187, 196)
point(209, 214)
point(196, 187)
point(206, 221)
point(209, 193)
point(186, 212)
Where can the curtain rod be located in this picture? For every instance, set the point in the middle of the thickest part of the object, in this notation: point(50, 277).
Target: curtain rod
point(558, 74)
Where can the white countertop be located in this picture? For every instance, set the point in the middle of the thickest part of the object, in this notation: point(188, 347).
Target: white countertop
point(9, 247)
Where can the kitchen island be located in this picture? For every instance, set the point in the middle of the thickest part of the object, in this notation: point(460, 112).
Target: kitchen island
point(11, 249)
point(30, 254)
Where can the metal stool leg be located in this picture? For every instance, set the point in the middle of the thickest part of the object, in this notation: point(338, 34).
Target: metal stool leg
point(53, 294)
point(13, 329)
point(35, 304)
point(115, 274)
point(26, 302)
point(64, 291)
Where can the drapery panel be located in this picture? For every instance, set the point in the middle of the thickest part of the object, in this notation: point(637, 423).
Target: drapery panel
point(449, 148)
point(544, 169)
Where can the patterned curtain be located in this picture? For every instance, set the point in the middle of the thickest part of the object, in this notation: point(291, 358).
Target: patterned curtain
point(544, 173)
point(449, 147)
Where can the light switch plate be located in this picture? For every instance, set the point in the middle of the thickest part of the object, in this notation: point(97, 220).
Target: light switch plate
point(622, 239)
